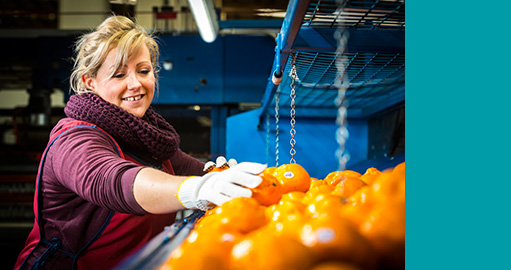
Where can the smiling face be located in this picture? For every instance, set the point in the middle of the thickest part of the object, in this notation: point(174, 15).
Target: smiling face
point(131, 87)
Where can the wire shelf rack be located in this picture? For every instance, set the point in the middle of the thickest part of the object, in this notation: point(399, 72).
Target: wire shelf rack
point(374, 78)
point(360, 14)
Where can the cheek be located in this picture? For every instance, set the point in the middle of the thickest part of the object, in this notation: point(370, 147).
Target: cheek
point(149, 84)
point(108, 91)
point(115, 90)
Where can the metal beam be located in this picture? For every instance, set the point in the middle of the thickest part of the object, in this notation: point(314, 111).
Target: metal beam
point(228, 24)
point(291, 25)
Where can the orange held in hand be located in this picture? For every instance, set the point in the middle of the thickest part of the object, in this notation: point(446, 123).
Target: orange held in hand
point(269, 191)
point(293, 177)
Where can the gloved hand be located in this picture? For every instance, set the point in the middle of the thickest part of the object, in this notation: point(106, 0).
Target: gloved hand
point(203, 192)
point(220, 165)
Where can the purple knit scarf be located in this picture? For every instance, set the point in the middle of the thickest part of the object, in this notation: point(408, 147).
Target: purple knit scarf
point(151, 133)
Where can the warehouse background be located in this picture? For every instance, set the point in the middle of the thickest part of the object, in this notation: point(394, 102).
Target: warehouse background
point(218, 95)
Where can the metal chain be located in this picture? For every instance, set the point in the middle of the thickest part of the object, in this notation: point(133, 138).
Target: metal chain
point(341, 134)
point(268, 138)
point(293, 112)
point(277, 94)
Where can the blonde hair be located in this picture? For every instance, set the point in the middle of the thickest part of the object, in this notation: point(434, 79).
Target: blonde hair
point(116, 31)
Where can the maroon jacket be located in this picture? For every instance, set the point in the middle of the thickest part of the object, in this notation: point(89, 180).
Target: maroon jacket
point(84, 181)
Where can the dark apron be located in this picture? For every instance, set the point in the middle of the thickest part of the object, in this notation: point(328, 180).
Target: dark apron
point(48, 251)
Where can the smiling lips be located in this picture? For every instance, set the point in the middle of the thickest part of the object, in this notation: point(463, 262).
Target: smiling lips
point(133, 98)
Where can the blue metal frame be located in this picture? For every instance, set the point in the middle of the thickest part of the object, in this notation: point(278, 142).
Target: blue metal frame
point(250, 24)
point(291, 25)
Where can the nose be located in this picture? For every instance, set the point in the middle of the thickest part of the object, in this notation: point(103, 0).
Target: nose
point(133, 82)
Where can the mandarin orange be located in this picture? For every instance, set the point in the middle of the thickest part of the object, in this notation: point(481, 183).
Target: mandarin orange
point(348, 185)
point(269, 191)
point(201, 242)
point(323, 205)
point(334, 178)
point(384, 223)
point(333, 238)
point(333, 265)
point(361, 197)
point(385, 229)
point(400, 167)
point(355, 214)
point(313, 192)
point(370, 174)
point(293, 177)
point(283, 208)
point(185, 257)
point(240, 214)
point(270, 170)
point(263, 249)
point(293, 196)
point(389, 187)
point(317, 183)
point(212, 220)
point(288, 225)
point(358, 205)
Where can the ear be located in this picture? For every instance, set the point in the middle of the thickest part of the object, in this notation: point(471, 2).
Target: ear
point(88, 81)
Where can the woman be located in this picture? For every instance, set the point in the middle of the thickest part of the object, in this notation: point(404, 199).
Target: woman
point(112, 175)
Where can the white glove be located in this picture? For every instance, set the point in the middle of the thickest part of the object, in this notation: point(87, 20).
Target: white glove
point(221, 163)
point(203, 192)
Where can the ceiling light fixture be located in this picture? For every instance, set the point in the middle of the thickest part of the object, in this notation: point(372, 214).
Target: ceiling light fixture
point(123, 2)
point(168, 65)
point(271, 12)
point(205, 17)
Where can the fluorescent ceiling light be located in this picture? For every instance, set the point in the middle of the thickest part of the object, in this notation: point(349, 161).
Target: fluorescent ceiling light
point(205, 17)
point(123, 2)
point(271, 12)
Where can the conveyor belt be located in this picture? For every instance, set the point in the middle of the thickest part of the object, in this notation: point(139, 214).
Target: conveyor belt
point(156, 251)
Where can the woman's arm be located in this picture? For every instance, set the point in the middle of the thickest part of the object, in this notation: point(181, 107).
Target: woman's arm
point(84, 161)
point(185, 164)
point(155, 191)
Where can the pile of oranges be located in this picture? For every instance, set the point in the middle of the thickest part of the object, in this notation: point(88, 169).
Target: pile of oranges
point(345, 221)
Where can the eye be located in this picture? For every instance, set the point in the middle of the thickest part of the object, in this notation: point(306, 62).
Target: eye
point(118, 75)
point(145, 71)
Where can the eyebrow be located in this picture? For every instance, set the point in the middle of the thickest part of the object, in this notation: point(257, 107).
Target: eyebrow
point(112, 67)
point(144, 62)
